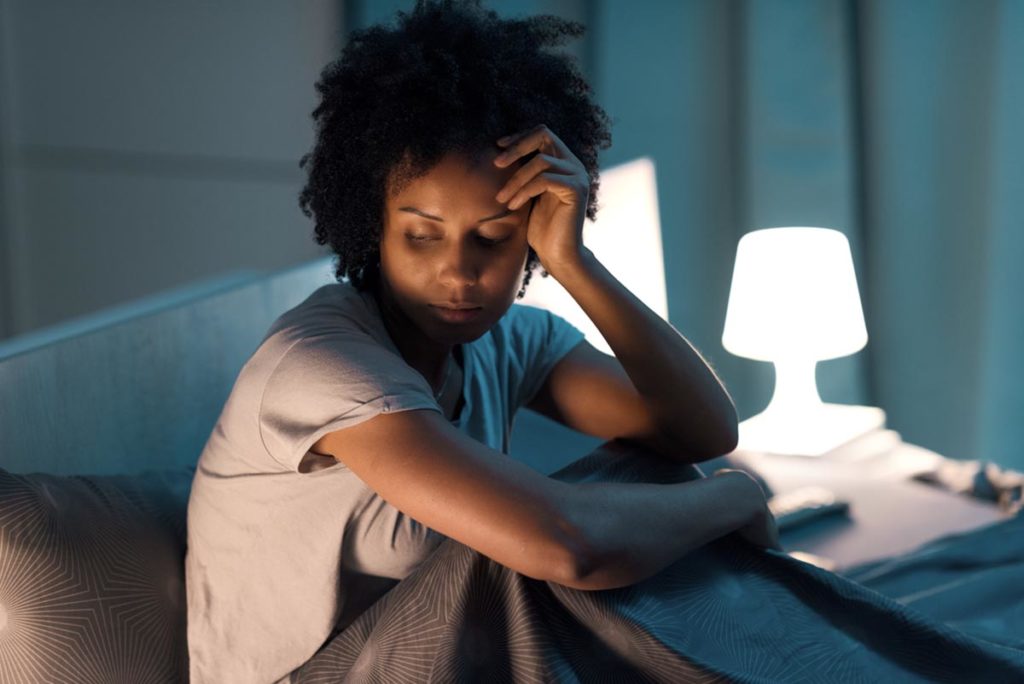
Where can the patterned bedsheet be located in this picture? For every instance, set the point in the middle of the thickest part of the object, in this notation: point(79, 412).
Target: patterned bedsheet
point(952, 611)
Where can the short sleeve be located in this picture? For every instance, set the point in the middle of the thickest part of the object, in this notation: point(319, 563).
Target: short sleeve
point(539, 340)
point(329, 382)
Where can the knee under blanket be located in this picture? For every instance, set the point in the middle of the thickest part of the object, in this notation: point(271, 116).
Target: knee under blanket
point(727, 612)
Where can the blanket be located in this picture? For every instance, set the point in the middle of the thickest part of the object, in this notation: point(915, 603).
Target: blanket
point(726, 612)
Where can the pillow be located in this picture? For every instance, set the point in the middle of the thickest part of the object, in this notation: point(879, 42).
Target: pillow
point(92, 577)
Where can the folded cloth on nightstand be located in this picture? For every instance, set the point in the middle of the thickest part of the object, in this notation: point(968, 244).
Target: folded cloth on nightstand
point(980, 479)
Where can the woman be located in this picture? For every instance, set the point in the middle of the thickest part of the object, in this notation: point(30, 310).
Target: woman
point(364, 380)
point(454, 154)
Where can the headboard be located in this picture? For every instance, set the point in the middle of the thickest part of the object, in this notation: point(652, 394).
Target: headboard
point(139, 387)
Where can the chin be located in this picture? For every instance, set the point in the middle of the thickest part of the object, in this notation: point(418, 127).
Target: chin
point(458, 333)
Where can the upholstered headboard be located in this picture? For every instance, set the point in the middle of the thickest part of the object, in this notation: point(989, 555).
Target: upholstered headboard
point(138, 387)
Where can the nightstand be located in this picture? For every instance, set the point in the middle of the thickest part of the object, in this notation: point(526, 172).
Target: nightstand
point(889, 514)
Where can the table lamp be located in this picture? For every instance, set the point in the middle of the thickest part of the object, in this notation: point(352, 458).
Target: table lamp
point(794, 302)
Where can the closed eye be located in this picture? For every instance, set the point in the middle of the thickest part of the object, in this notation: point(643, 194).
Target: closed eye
point(486, 242)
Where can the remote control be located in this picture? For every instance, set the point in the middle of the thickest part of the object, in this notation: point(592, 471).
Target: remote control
point(804, 505)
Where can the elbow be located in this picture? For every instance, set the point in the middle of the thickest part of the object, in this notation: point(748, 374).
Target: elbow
point(711, 446)
point(577, 551)
point(730, 430)
point(578, 571)
point(589, 568)
point(702, 438)
point(726, 439)
point(577, 563)
point(732, 438)
point(721, 448)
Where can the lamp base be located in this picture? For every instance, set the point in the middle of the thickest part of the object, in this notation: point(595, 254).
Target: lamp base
point(822, 430)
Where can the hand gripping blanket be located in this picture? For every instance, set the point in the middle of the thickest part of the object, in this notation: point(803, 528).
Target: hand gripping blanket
point(726, 612)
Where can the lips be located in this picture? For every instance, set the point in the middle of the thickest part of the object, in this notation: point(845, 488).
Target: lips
point(457, 313)
point(457, 305)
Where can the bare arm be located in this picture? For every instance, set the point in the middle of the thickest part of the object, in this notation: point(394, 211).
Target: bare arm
point(587, 535)
point(688, 411)
point(637, 529)
point(678, 407)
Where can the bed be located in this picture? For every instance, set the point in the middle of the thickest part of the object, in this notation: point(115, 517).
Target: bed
point(102, 420)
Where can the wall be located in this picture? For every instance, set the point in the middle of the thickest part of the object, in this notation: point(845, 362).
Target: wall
point(146, 145)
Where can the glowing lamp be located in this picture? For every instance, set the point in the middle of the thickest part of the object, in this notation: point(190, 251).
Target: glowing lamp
point(794, 302)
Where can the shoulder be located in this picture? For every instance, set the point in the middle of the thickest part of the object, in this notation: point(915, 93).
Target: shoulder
point(331, 345)
point(329, 365)
point(334, 317)
point(335, 329)
point(337, 306)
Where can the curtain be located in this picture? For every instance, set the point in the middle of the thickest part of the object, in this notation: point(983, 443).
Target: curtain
point(897, 122)
point(943, 102)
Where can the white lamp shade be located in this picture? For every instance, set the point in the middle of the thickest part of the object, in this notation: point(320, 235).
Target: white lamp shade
point(794, 296)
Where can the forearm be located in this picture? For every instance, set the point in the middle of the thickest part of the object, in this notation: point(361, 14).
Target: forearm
point(687, 399)
point(634, 530)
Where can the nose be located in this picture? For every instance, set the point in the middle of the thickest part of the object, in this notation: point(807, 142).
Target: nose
point(459, 266)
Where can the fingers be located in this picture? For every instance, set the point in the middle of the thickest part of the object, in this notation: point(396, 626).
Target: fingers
point(540, 138)
point(553, 169)
point(536, 186)
point(557, 184)
point(530, 170)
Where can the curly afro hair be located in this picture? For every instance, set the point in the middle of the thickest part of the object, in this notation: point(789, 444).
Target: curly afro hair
point(449, 77)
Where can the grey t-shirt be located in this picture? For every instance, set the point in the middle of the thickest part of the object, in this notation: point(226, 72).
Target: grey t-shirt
point(286, 547)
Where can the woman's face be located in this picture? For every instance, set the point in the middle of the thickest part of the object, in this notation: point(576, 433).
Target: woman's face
point(453, 257)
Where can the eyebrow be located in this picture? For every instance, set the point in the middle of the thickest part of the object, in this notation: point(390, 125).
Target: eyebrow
point(414, 210)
